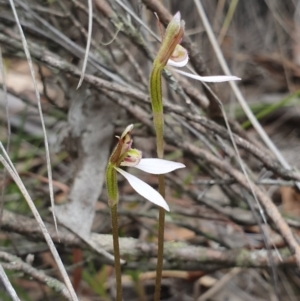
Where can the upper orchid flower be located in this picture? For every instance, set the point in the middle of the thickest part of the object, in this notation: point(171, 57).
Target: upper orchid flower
point(124, 155)
point(180, 58)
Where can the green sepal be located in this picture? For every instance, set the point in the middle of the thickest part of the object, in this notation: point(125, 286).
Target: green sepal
point(112, 185)
point(172, 37)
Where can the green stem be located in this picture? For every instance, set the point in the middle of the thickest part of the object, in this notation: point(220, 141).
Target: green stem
point(160, 247)
point(115, 234)
point(157, 107)
point(113, 198)
point(173, 35)
point(158, 119)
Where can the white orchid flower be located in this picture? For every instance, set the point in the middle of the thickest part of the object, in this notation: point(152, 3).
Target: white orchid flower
point(124, 155)
point(180, 58)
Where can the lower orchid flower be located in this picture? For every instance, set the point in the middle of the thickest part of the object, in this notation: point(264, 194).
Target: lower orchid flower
point(124, 155)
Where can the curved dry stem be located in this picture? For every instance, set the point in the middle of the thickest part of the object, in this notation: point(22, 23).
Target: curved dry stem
point(38, 98)
point(8, 285)
point(12, 171)
point(88, 43)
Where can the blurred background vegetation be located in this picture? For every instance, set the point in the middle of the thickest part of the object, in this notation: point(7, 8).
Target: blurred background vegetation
point(219, 246)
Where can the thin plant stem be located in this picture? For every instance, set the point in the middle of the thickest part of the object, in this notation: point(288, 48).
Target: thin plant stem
point(161, 235)
point(115, 234)
point(118, 155)
point(158, 118)
point(173, 35)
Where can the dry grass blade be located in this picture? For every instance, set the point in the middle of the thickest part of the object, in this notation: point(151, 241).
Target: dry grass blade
point(228, 19)
point(236, 90)
point(113, 37)
point(250, 185)
point(261, 211)
point(238, 154)
point(128, 10)
point(8, 285)
point(88, 42)
point(240, 97)
point(70, 45)
point(6, 101)
point(14, 263)
point(37, 94)
point(219, 285)
point(255, 123)
point(12, 171)
point(8, 130)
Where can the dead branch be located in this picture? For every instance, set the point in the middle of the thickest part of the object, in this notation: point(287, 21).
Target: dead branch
point(178, 255)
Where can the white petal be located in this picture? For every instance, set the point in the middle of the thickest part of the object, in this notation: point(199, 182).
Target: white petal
point(158, 166)
point(178, 64)
point(209, 79)
point(144, 189)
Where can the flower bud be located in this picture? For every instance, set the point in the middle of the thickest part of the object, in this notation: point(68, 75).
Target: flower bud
point(172, 37)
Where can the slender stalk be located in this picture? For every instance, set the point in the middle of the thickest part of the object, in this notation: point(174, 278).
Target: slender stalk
point(115, 234)
point(158, 119)
point(113, 197)
point(161, 235)
point(173, 35)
